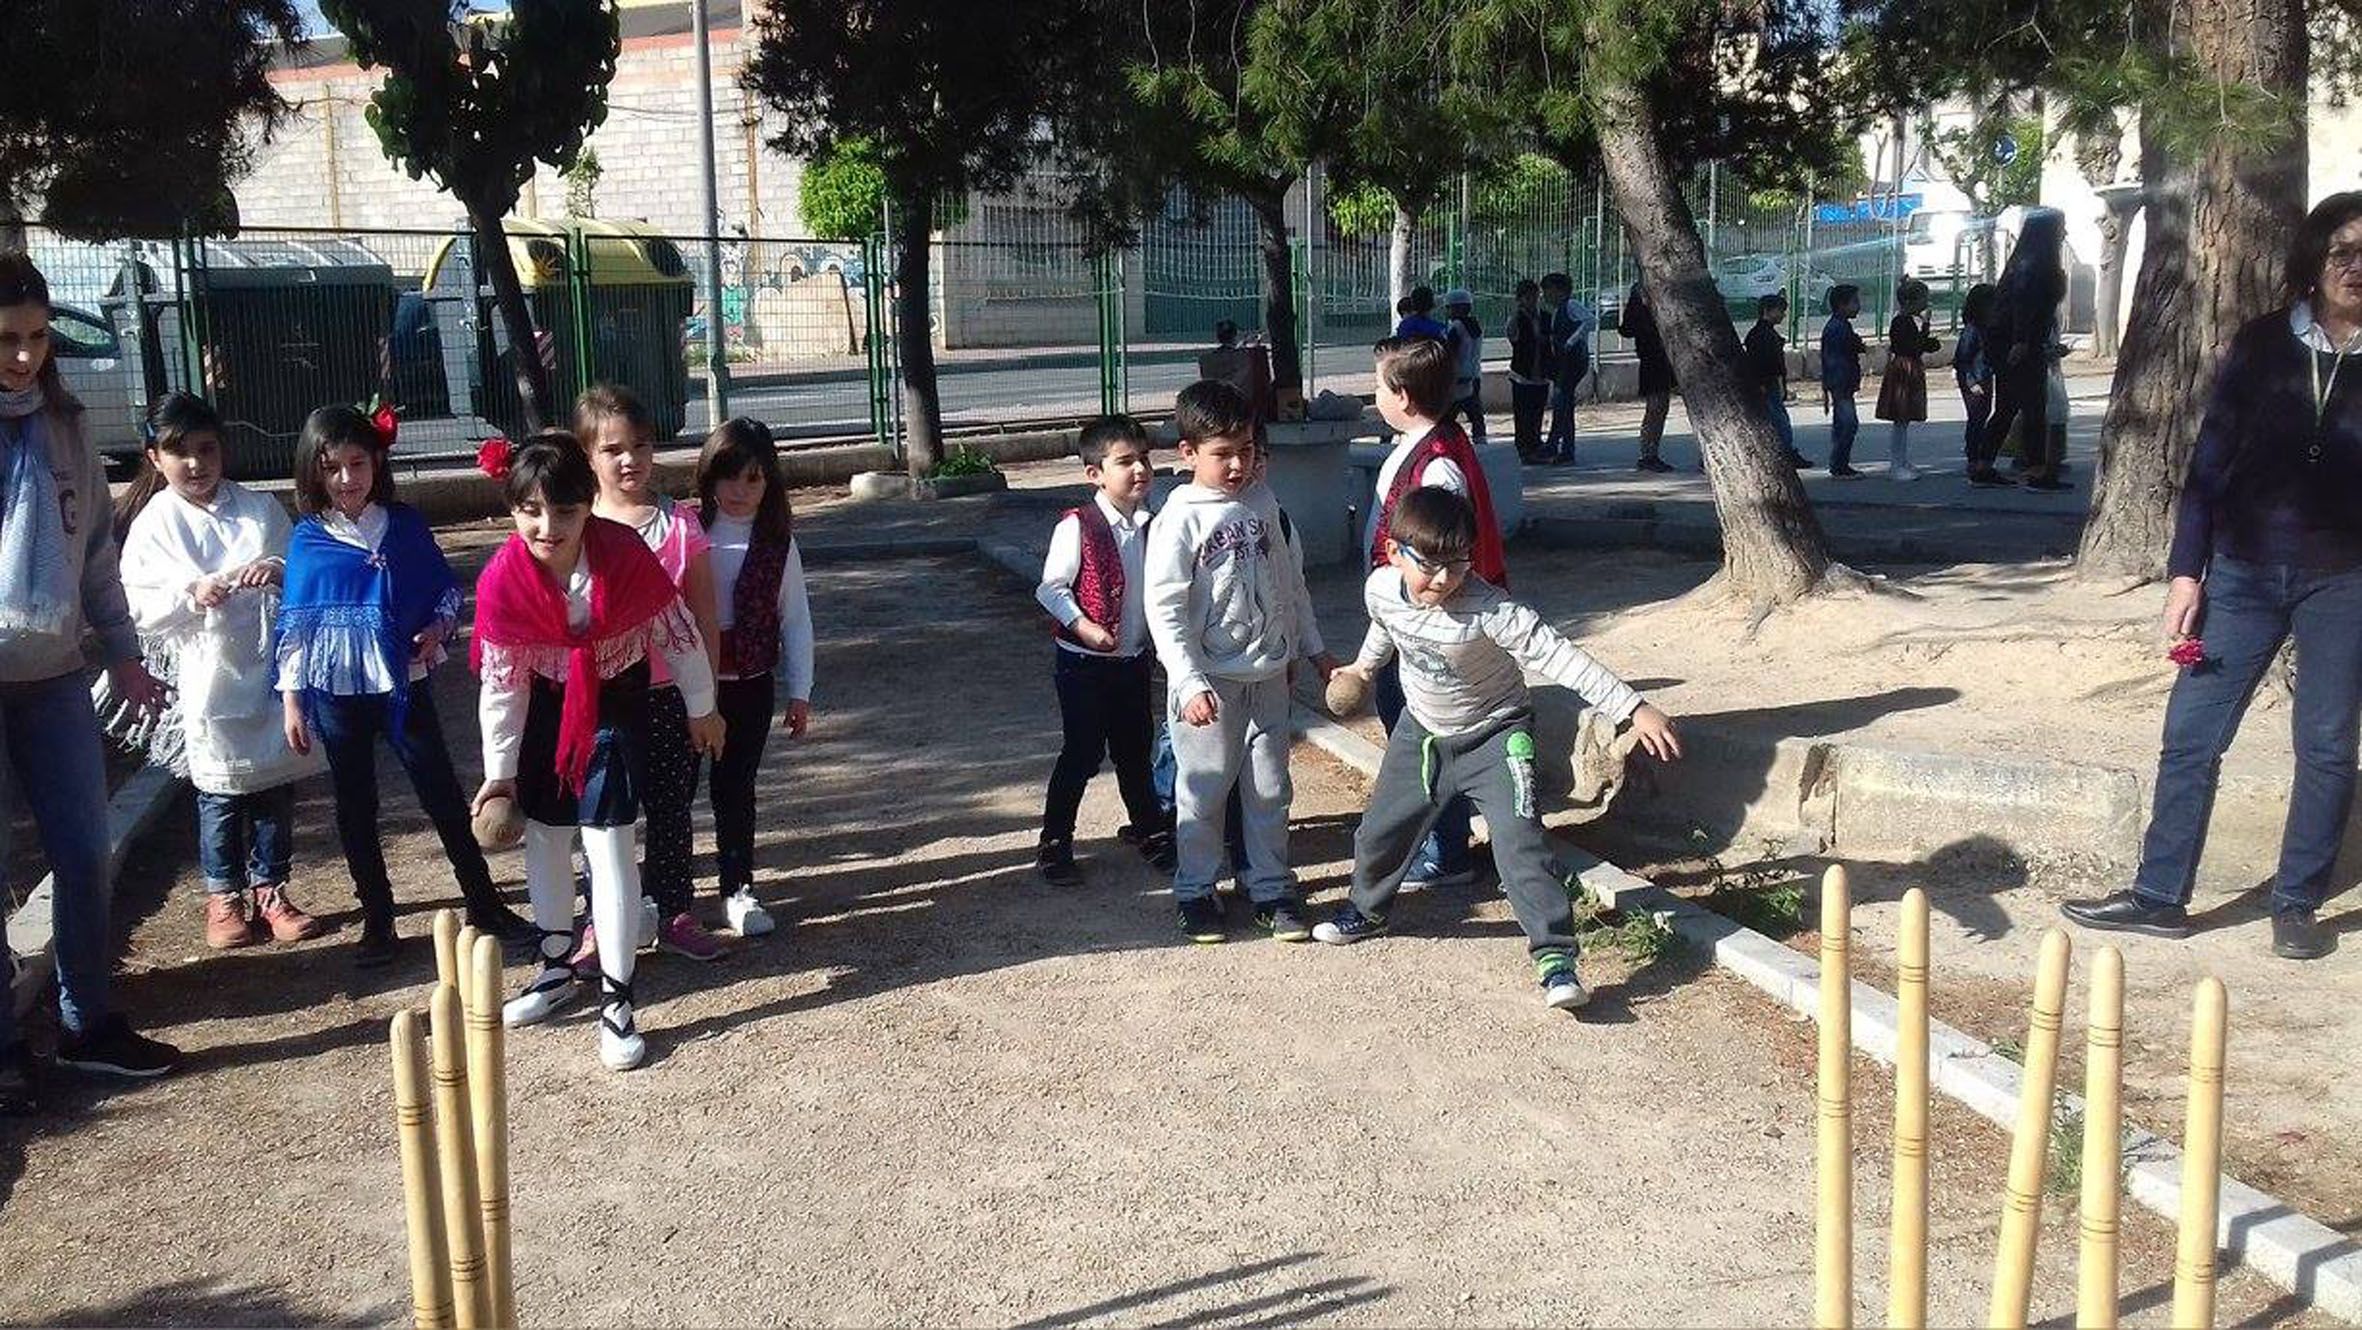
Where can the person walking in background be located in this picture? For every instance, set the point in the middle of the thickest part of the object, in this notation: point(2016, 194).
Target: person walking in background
point(1841, 376)
point(1970, 368)
point(1531, 363)
point(2017, 345)
point(2267, 544)
point(1767, 367)
point(1571, 324)
point(1902, 390)
point(1467, 344)
point(1639, 323)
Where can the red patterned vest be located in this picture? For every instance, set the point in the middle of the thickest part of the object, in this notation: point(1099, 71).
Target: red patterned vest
point(1447, 442)
point(750, 645)
point(1099, 582)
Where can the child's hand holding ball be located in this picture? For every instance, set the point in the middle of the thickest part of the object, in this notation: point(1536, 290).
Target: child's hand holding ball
point(1348, 692)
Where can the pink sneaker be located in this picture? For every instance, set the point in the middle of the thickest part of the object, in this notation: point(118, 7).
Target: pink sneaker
point(683, 936)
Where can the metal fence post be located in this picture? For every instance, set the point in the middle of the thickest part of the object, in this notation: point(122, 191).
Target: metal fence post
point(874, 340)
point(578, 291)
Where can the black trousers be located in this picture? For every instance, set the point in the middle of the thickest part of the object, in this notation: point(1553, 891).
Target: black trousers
point(1104, 708)
point(748, 707)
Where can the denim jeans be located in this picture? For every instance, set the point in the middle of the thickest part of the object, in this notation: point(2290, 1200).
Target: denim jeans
point(1561, 443)
point(2250, 610)
point(258, 827)
point(1845, 421)
point(57, 770)
point(1445, 850)
point(349, 728)
point(1980, 410)
point(1775, 404)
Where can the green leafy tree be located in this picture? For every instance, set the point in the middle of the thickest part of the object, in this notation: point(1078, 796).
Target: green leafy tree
point(473, 102)
point(842, 194)
point(134, 117)
point(582, 184)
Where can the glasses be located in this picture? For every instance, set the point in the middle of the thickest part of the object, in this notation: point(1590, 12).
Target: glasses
point(2348, 259)
point(1433, 567)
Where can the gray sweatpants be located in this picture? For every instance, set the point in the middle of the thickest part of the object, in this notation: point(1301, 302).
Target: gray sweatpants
point(1247, 745)
point(1422, 773)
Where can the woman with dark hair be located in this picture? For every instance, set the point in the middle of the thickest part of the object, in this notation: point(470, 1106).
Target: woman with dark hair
point(2017, 344)
point(2267, 544)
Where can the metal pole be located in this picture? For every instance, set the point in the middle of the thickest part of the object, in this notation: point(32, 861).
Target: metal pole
point(717, 351)
point(1713, 202)
point(1312, 217)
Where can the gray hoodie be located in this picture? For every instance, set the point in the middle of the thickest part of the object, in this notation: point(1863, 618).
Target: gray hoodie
point(90, 537)
point(1225, 589)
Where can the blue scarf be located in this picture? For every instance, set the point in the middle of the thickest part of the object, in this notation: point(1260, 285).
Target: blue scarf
point(345, 603)
point(37, 595)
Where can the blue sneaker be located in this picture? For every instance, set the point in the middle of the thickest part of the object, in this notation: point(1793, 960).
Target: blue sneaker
point(1560, 987)
point(1201, 919)
point(1348, 926)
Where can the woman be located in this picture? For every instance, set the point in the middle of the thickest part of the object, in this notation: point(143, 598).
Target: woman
point(2017, 346)
point(2268, 543)
point(58, 582)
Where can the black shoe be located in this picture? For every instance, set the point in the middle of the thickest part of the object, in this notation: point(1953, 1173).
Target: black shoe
point(1348, 926)
point(1284, 921)
point(2298, 936)
point(1055, 862)
point(20, 1090)
point(1159, 852)
point(1653, 465)
point(1201, 919)
point(518, 937)
point(113, 1048)
point(2047, 484)
point(2127, 913)
point(1800, 461)
point(1844, 473)
point(1988, 478)
point(377, 945)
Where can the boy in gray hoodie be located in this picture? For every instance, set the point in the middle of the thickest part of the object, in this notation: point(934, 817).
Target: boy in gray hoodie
point(1230, 615)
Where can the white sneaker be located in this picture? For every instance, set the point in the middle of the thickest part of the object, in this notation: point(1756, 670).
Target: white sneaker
point(553, 989)
point(620, 1045)
point(1561, 989)
point(747, 916)
point(650, 924)
point(1902, 473)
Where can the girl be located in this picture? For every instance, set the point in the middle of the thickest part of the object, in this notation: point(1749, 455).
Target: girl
point(57, 583)
point(1902, 393)
point(766, 627)
point(620, 434)
point(571, 614)
point(370, 601)
point(203, 558)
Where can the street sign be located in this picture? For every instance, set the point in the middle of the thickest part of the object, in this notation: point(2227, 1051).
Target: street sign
point(2005, 149)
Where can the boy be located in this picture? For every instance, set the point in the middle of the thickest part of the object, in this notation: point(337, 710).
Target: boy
point(1531, 363)
point(1767, 364)
point(1468, 729)
point(1414, 390)
point(1571, 324)
point(1229, 612)
point(1841, 376)
point(1467, 344)
point(1092, 585)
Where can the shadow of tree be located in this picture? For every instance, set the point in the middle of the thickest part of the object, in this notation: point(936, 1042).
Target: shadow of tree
point(201, 1302)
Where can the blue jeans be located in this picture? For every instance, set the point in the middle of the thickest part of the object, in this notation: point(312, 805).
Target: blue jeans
point(259, 826)
point(349, 728)
point(1561, 442)
point(1845, 421)
point(1775, 403)
point(1446, 848)
point(58, 771)
point(2250, 610)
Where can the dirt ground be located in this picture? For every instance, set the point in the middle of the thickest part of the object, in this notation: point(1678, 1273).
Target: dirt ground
point(947, 1094)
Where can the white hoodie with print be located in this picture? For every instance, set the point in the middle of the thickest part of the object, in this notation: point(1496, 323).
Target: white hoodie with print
point(1225, 590)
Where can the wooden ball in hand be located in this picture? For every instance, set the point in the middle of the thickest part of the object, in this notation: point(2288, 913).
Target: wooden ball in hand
point(1348, 693)
point(500, 824)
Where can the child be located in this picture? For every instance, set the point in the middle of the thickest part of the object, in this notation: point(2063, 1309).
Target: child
point(58, 583)
point(621, 435)
point(1092, 585)
point(1418, 315)
point(1571, 325)
point(1902, 391)
point(203, 558)
point(766, 625)
point(2059, 412)
point(1229, 612)
point(1971, 370)
point(370, 602)
point(1467, 343)
point(1639, 323)
point(1531, 363)
point(1413, 379)
point(570, 614)
point(1767, 364)
point(1841, 376)
point(1468, 729)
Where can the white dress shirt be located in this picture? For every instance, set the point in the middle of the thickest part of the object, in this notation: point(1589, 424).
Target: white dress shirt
point(1441, 472)
point(1065, 563)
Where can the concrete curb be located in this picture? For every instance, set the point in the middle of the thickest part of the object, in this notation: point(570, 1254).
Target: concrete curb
point(134, 808)
point(2321, 1266)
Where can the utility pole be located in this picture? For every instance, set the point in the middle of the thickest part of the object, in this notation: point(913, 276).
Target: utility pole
point(717, 349)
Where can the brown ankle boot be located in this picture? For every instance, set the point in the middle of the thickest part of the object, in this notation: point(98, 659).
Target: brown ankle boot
point(226, 922)
point(287, 921)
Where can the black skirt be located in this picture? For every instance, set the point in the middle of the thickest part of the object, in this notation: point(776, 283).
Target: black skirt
point(610, 794)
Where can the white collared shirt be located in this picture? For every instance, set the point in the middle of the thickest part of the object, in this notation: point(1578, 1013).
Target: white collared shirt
point(1065, 563)
point(2309, 331)
point(367, 532)
point(1441, 472)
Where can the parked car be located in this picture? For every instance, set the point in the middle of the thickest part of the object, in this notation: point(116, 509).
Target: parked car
point(100, 370)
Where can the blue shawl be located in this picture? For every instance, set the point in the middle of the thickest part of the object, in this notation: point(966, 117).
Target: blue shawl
point(355, 613)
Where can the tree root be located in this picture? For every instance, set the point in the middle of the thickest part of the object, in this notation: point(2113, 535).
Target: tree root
point(1842, 578)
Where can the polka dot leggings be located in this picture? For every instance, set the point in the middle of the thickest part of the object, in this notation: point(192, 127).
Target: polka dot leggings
point(669, 794)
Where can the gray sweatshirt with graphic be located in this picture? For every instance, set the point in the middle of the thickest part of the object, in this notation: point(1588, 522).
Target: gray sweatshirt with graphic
point(1225, 590)
point(1464, 662)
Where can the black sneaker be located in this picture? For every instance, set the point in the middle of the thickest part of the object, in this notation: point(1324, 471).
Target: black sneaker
point(1844, 473)
point(1988, 478)
point(1560, 987)
point(1347, 926)
point(2298, 936)
point(1653, 465)
point(1055, 862)
point(1284, 920)
point(518, 937)
point(377, 945)
point(20, 1091)
point(113, 1048)
point(1158, 850)
point(1201, 919)
point(1800, 461)
point(2047, 484)
point(2127, 913)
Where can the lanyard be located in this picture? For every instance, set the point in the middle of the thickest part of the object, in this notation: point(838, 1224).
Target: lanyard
point(2321, 391)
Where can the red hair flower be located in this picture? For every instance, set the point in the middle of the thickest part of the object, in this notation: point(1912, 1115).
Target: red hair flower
point(385, 422)
point(493, 457)
point(2189, 653)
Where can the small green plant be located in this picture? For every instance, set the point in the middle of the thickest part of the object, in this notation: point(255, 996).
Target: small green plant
point(1642, 937)
point(962, 461)
point(2011, 1049)
point(2066, 1152)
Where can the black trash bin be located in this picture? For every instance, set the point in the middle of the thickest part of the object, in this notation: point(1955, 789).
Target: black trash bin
point(289, 327)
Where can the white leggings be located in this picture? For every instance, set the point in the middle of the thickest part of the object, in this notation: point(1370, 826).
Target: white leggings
point(614, 890)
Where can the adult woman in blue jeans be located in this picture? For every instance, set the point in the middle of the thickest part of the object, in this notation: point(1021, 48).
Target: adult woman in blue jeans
point(2268, 544)
point(57, 582)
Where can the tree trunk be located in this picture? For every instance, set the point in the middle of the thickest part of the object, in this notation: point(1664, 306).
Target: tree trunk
point(2115, 239)
point(1279, 288)
point(922, 399)
point(1772, 548)
point(1399, 277)
point(508, 295)
point(2212, 259)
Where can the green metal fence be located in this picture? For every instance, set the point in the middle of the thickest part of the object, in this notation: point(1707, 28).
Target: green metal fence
point(1030, 325)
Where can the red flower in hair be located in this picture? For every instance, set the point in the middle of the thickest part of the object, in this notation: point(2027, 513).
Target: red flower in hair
point(493, 457)
point(2189, 653)
point(385, 422)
